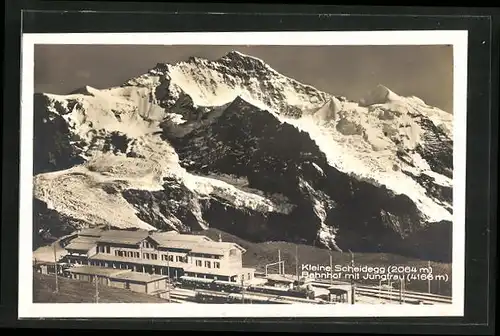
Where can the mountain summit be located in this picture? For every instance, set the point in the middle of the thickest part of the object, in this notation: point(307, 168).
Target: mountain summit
point(233, 144)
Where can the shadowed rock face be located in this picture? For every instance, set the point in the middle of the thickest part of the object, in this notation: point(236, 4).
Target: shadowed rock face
point(48, 224)
point(438, 149)
point(52, 149)
point(278, 158)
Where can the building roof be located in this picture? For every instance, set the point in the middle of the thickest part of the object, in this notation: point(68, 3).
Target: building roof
point(138, 277)
point(337, 291)
point(90, 232)
point(96, 270)
point(80, 246)
point(123, 236)
point(177, 245)
point(164, 238)
point(84, 239)
point(46, 254)
point(170, 239)
point(194, 243)
point(208, 249)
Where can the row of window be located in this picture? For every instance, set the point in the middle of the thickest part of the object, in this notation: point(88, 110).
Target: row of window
point(208, 264)
point(129, 254)
point(103, 249)
point(132, 254)
point(147, 244)
point(199, 263)
point(206, 256)
point(150, 256)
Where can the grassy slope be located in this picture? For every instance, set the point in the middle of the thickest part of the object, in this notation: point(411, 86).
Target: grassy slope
point(260, 254)
point(77, 291)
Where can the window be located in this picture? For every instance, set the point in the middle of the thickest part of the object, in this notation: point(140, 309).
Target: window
point(198, 262)
point(208, 264)
point(116, 253)
point(108, 249)
point(249, 276)
point(137, 254)
point(216, 264)
point(154, 256)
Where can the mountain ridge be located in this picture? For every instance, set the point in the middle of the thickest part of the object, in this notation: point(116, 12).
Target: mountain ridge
point(165, 150)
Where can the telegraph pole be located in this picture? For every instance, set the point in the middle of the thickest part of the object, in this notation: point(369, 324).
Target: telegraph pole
point(429, 278)
point(168, 289)
point(331, 271)
point(279, 262)
point(55, 268)
point(297, 263)
point(96, 289)
point(401, 285)
point(242, 292)
point(404, 289)
point(168, 265)
point(352, 278)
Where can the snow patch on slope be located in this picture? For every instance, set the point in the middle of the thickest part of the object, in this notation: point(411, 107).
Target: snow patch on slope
point(80, 193)
point(212, 187)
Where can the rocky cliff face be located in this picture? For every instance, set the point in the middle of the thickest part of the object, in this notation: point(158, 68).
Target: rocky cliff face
point(233, 144)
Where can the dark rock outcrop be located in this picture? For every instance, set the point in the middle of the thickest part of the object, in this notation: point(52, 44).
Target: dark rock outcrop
point(52, 149)
point(48, 224)
point(438, 148)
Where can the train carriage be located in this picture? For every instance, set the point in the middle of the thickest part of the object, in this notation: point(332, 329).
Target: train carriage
point(210, 284)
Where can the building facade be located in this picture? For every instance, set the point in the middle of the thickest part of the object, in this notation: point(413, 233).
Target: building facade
point(167, 254)
point(125, 279)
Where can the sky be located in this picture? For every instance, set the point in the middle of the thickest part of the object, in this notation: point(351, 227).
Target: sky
point(350, 71)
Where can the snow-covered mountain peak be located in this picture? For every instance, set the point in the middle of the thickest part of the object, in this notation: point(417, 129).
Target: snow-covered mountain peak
point(86, 90)
point(263, 143)
point(379, 95)
point(217, 82)
point(237, 59)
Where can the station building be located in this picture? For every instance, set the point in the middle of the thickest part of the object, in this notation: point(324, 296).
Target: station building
point(168, 254)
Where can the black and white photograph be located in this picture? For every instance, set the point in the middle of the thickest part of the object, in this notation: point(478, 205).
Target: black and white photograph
point(323, 172)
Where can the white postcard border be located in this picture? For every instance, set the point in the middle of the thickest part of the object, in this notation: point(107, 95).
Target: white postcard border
point(28, 309)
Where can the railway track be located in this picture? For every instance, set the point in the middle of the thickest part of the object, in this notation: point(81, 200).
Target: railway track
point(248, 297)
point(430, 295)
point(407, 296)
